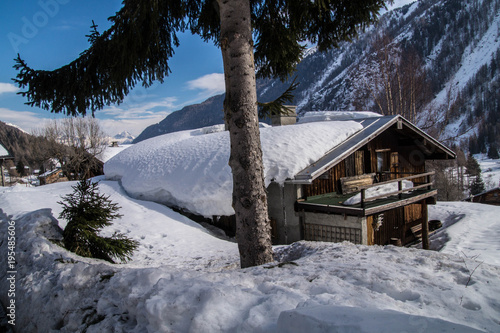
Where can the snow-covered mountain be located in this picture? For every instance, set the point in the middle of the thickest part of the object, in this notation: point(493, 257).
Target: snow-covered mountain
point(123, 138)
point(457, 41)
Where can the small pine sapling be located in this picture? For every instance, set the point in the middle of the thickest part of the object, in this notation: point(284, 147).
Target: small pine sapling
point(87, 212)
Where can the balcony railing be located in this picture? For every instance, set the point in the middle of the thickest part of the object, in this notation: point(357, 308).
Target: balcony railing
point(427, 184)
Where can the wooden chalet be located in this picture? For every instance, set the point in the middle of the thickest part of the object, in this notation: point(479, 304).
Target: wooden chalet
point(389, 151)
point(4, 156)
point(52, 176)
point(490, 197)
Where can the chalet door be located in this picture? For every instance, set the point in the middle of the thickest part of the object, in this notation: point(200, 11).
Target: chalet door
point(394, 165)
point(388, 225)
point(387, 164)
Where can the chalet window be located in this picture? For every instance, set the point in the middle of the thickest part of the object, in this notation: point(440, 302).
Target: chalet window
point(355, 164)
point(383, 160)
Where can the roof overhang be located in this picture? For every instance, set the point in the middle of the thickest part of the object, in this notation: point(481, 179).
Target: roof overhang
point(372, 127)
point(4, 154)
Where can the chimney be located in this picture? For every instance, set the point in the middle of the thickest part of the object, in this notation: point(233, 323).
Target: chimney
point(288, 118)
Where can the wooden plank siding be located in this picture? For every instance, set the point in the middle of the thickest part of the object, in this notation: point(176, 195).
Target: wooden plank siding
point(370, 235)
point(327, 183)
point(397, 223)
point(401, 162)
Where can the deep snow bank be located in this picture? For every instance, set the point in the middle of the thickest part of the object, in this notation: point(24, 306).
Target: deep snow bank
point(184, 280)
point(71, 293)
point(345, 319)
point(190, 169)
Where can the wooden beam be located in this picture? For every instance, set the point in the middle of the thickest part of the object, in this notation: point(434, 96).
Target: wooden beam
point(399, 203)
point(425, 226)
point(329, 209)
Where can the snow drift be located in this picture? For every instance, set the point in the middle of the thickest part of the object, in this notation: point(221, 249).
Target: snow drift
point(190, 169)
point(182, 279)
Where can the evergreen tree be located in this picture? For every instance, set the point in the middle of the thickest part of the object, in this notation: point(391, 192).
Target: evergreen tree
point(87, 212)
point(472, 166)
point(477, 185)
point(140, 42)
point(493, 152)
point(20, 168)
point(474, 172)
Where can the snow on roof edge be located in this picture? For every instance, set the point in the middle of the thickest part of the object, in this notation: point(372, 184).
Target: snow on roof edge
point(315, 116)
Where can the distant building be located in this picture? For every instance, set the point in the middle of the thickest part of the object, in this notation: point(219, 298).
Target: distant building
point(52, 176)
point(491, 197)
point(4, 156)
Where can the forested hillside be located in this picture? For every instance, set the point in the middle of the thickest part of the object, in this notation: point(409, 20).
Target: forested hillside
point(19, 144)
point(434, 61)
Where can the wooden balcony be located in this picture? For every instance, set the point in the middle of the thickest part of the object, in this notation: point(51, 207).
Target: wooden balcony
point(369, 205)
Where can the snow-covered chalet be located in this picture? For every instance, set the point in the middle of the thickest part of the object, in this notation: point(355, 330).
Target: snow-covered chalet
point(333, 176)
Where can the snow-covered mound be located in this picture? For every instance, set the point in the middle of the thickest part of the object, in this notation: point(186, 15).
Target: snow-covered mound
point(190, 169)
point(110, 151)
point(184, 280)
point(158, 229)
point(347, 319)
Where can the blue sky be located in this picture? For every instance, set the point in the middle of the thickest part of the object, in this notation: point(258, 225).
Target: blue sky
point(50, 33)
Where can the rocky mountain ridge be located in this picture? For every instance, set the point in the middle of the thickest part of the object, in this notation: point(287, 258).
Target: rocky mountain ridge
point(457, 44)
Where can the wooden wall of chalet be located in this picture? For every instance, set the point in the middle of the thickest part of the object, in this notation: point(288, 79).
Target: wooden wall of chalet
point(402, 160)
point(396, 223)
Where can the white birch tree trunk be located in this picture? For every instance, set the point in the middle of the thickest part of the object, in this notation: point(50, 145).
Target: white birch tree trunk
point(240, 108)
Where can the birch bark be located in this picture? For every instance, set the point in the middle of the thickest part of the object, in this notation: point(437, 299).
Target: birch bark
point(240, 109)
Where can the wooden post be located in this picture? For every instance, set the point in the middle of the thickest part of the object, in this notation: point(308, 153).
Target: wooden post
point(425, 226)
point(363, 198)
point(400, 187)
point(1, 170)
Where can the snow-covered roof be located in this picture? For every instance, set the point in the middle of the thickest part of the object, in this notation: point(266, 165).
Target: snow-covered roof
point(371, 127)
point(4, 152)
point(190, 169)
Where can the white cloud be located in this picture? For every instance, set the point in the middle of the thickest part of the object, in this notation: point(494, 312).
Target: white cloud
point(134, 126)
point(26, 120)
point(135, 117)
point(210, 84)
point(132, 121)
point(130, 110)
point(8, 88)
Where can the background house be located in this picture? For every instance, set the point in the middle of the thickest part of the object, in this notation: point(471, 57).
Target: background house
point(490, 197)
point(4, 156)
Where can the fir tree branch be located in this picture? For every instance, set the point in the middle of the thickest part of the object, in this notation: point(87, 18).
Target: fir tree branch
point(277, 107)
point(135, 49)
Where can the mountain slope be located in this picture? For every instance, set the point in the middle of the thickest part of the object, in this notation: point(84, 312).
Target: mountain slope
point(123, 138)
point(210, 112)
point(19, 143)
point(458, 42)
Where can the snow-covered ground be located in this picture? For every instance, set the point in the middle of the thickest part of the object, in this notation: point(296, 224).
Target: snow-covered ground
point(109, 152)
point(182, 279)
point(490, 171)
